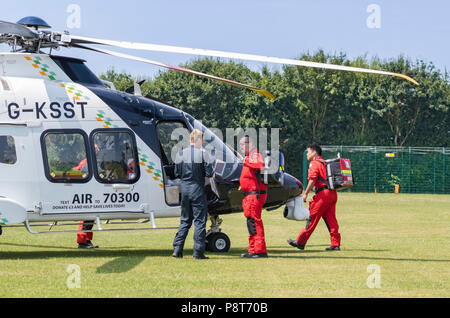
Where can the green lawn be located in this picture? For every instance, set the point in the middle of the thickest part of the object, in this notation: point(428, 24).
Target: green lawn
point(405, 236)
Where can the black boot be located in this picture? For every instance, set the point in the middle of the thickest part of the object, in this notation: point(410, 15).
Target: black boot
point(86, 245)
point(333, 248)
point(177, 254)
point(201, 257)
point(294, 243)
point(260, 255)
point(91, 245)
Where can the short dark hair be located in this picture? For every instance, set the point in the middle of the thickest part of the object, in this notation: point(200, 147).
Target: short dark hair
point(316, 148)
point(250, 139)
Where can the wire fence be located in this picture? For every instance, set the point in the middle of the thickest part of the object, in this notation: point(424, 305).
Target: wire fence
point(393, 169)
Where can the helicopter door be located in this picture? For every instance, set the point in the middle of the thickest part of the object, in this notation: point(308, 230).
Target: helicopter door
point(170, 134)
point(95, 173)
point(17, 167)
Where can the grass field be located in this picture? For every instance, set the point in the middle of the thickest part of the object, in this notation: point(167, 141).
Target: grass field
point(405, 236)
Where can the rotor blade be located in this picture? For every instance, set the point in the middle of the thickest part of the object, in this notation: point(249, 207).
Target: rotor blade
point(231, 55)
point(185, 70)
point(16, 29)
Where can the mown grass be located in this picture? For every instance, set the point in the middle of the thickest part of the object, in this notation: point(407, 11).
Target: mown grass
point(406, 235)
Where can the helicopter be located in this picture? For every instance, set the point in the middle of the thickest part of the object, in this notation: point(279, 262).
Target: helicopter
point(73, 148)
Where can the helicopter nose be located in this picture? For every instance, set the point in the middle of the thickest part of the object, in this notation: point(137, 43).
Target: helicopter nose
point(292, 185)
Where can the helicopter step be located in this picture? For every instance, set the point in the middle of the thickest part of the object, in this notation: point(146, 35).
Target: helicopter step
point(98, 224)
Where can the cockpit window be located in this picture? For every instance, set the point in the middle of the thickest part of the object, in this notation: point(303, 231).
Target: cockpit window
point(77, 71)
point(7, 150)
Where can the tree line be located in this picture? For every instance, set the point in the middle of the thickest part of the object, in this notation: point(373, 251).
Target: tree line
point(313, 105)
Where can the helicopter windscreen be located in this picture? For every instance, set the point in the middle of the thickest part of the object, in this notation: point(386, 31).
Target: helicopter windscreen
point(225, 159)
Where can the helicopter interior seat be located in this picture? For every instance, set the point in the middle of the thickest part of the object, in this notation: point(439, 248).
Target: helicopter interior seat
point(8, 156)
point(114, 170)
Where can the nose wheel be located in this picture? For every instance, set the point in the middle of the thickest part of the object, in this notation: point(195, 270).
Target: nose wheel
point(216, 241)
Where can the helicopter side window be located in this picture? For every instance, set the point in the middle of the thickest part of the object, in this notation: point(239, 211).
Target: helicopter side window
point(116, 158)
point(7, 150)
point(65, 156)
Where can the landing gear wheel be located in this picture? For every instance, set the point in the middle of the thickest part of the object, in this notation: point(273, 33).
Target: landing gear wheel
point(218, 243)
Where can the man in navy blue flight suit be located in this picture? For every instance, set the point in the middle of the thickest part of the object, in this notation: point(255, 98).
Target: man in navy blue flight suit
point(192, 166)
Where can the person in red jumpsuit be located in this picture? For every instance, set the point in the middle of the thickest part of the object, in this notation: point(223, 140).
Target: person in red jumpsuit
point(254, 197)
point(84, 238)
point(322, 205)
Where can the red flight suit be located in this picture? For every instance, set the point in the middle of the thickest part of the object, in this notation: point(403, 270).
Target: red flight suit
point(253, 203)
point(322, 205)
point(82, 237)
